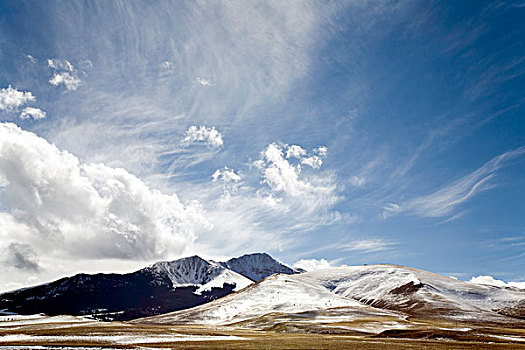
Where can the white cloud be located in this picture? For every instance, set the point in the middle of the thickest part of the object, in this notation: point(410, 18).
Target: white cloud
point(209, 135)
point(58, 206)
point(321, 151)
point(11, 99)
point(32, 112)
point(204, 82)
point(64, 73)
point(368, 245)
point(226, 175)
point(445, 200)
point(71, 82)
point(282, 177)
point(389, 210)
point(313, 161)
point(312, 264)
point(60, 64)
point(269, 213)
point(491, 281)
point(295, 151)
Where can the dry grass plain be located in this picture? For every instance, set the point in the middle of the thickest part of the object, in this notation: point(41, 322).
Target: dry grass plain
point(341, 335)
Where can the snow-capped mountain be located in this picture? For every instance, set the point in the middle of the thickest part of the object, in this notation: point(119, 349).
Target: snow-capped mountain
point(160, 288)
point(349, 292)
point(195, 271)
point(418, 292)
point(257, 266)
point(282, 294)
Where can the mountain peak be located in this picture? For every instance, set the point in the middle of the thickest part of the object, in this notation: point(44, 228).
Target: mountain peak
point(257, 266)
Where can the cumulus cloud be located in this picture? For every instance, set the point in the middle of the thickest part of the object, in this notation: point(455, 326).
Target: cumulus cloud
point(312, 264)
point(209, 135)
point(11, 99)
point(226, 175)
point(312, 161)
point(321, 151)
point(58, 205)
point(64, 74)
point(491, 281)
point(274, 202)
point(286, 178)
point(32, 112)
point(295, 151)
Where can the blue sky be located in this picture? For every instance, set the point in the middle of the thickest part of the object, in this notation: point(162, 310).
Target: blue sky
point(355, 132)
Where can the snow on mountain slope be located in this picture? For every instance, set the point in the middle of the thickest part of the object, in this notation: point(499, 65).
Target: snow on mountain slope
point(416, 291)
point(401, 290)
point(196, 271)
point(279, 293)
point(257, 266)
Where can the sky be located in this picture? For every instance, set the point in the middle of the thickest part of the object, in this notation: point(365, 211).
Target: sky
point(322, 133)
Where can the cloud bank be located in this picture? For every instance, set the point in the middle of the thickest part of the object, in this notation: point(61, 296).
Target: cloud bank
point(491, 281)
point(55, 205)
point(312, 264)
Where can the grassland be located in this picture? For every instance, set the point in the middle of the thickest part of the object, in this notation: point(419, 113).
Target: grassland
point(286, 335)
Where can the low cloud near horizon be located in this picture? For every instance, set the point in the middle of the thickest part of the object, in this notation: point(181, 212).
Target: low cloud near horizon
point(57, 205)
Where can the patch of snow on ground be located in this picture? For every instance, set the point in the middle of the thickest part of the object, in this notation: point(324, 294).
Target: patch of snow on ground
point(24, 320)
point(508, 337)
point(115, 339)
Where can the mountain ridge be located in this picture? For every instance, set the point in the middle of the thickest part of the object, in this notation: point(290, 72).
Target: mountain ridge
point(343, 293)
point(159, 288)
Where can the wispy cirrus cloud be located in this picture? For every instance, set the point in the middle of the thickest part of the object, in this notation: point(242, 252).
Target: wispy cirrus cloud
point(445, 200)
point(272, 203)
point(368, 245)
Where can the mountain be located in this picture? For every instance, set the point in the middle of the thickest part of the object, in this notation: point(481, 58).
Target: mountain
point(257, 266)
point(422, 293)
point(160, 288)
point(195, 271)
point(345, 294)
